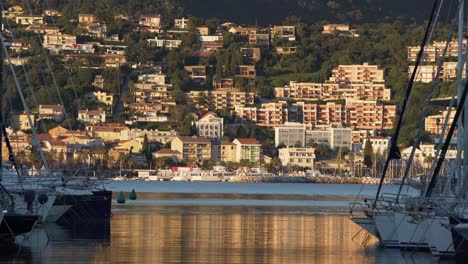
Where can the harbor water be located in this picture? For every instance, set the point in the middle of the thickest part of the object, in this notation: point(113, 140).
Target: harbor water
point(184, 222)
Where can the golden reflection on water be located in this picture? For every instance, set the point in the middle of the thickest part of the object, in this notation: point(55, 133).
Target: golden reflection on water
point(233, 238)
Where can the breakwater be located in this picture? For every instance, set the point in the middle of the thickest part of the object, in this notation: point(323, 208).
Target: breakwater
point(306, 179)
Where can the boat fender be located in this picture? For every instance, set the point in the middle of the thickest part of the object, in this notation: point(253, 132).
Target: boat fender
point(29, 197)
point(43, 198)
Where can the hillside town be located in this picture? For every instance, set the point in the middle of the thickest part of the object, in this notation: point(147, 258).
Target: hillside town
point(205, 107)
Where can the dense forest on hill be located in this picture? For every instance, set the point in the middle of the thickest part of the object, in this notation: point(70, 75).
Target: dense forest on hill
point(261, 12)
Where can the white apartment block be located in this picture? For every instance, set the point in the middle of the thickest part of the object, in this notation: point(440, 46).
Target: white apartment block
point(302, 157)
point(247, 149)
point(379, 144)
point(164, 43)
point(289, 134)
point(210, 126)
point(159, 79)
point(334, 136)
point(181, 23)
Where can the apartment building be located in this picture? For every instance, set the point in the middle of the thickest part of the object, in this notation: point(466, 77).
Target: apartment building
point(251, 55)
point(379, 144)
point(58, 39)
point(181, 23)
point(224, 83)
point(163, 136)
point(425, 73)
point(159, 79)
point(210, 126)
point(302, 157)
point(247, 149)
point(150, 22)
point(92, 116)
point(27, 20)
point(357, 74)
point(340, 29)
point(103, 97)
point(192, 148)
point(197, 73)
point(86, 19)
point(333, 91)
point(435, 123)
point(223, 98)
point(359, 114)
point(286, 50)
point(290, 134)
point(164, 43)
point(284, 32)
point(370, 115)
point(246, 71)
point(56, 112)
point(434, 51)
point(334, 136)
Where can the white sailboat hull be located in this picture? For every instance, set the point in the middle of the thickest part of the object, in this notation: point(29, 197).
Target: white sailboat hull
point(385, 224)
point(367, 224)
point(56, 212)
point(412, 230)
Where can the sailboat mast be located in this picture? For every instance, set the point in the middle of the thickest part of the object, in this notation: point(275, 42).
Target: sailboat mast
point(461, 134)
point(464, 182)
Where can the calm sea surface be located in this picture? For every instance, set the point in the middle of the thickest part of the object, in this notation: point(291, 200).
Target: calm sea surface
point(178, 222)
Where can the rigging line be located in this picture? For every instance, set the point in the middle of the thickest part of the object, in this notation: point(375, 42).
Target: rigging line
point(426, 110)
point(394, 152)
point(71, 81)
point(29, 85)
point(18, 87)
point(55, 82)
point(28, 81)
point(447, 142)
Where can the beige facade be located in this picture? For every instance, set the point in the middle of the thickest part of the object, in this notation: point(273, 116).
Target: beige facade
point(58, 39)
point(286, 50)
point(159, 79)
point(302, 157)
point(370, 115)
point(228, 151)
point(21, 121)
point(434, 51)
point(29, 20)
point(86, 18)
point(284, 32)
point(246, 71)
point(55, 112)
point(359, 114)
point(192, 148)
point(333, 91)
point(357, 74)
point(223, 98)
point(92, 116)
point(435, 123)
point(150, 22)
point(104, 97)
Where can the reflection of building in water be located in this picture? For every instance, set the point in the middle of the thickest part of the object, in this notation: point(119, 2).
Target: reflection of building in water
point(233, 237)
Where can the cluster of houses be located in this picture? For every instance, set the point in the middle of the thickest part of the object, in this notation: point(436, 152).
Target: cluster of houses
point(432, 53)
point(352, 106)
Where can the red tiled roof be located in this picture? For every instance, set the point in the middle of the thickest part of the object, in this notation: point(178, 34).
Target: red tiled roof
point(194, 139)
point(247, 141)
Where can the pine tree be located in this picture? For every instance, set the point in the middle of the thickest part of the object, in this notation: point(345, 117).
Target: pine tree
point(368, 154)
